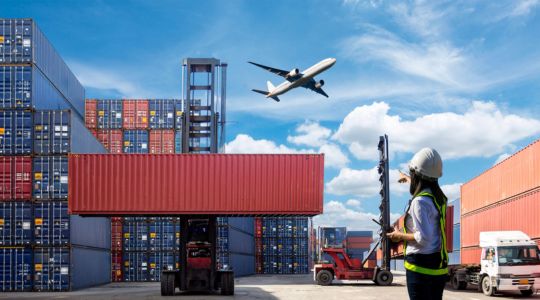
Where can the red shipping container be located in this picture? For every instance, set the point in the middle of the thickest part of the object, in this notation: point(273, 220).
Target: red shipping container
point(15, 178)
point(175, 184)
point(358, 245)
point(90, 113)
point(135, 114)
point(470, 255)
point(360, 239)
point(22, 189)
point(515, 175)
point(93, 132)
point(6, 174)
point(116, 234)
point(258, 227)
point(519, 213)
point(162, 141)
point(116, 266)
point(111, 139)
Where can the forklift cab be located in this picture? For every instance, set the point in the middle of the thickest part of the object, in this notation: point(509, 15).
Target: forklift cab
point(197, 257)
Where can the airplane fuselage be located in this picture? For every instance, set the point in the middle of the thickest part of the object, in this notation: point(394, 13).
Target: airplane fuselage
point(307, 75)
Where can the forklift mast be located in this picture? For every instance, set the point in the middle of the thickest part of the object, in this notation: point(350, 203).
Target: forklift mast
point(384, 218)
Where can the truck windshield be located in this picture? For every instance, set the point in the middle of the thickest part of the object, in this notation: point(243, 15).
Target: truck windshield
point(519, 255)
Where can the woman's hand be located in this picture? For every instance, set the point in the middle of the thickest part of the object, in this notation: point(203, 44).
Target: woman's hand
point(395, 236)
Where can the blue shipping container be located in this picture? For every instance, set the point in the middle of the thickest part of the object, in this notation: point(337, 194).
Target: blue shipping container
point(109, 114)
point(158, 261)
point(179, 115)
point(135, 266)
point(161, 113)
point(15, 269)
point(15, 132)
point(242, 265)
point(178, 141)
point(51, 267)
point(51, 222)
point(23, 42)
point(89, 267)
point(15, 223)
point(162, 233)
point(92, 232)
point(359, 234)
point(135, 235)
point(52, 132)
point(50, 177)
point(135, 141)
point(456, 237)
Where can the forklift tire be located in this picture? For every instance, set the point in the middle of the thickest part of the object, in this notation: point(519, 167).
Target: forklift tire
point(526, 293)
point(167, 284)
point(324, 277)
point(487, 288)
point(384, 278)
point(458, 285)
point(227, 283)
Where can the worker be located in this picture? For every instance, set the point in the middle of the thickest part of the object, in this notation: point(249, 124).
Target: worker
point(424, 238)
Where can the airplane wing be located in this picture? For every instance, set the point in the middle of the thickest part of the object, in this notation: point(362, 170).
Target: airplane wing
point(311, 86)
point(278, 72)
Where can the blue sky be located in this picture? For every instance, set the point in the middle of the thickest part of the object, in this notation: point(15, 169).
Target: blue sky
point(460, 76)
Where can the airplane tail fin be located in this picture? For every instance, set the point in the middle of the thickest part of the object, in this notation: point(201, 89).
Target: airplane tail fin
point(270, 86)
point(266, 94)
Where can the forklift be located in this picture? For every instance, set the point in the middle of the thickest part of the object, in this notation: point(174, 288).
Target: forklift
point(346, 268)
point(197, 257)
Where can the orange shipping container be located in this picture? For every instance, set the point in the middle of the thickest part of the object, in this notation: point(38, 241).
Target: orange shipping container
point(519, 213)
point(135, 114)
point(162, 141)
point(358, 245)
point(362, 239)
point(470, 255)
point(90, 113)
point(515, 175)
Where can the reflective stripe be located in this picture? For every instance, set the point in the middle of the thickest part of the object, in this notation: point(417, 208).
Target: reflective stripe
point(425, 271)
point(443, 269)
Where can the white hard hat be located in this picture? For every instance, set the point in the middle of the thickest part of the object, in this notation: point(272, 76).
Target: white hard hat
point(428, 163)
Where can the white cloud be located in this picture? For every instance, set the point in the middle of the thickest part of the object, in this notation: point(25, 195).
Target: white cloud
point(104, 79)
point(337, 214)
point(524, 7)
point(420, 17)
point(244, 143)
point(501, 158)
point(333, 156)
point(482, 131)
point(363, 183)
point(353, 203)
point(310, 134)
point(452, 191)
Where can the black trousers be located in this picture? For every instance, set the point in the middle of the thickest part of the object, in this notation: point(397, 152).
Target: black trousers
point(425, 287)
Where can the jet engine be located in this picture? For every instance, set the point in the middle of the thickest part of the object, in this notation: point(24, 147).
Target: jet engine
point(319, 84)
point(293, 73)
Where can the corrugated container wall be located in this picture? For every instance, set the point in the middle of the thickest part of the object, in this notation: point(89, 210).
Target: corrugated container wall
point(277, 184)
point(517, 174)
point(23, 42)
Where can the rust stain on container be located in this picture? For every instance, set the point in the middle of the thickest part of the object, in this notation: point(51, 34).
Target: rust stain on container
point(515, 175)
point(225, 184)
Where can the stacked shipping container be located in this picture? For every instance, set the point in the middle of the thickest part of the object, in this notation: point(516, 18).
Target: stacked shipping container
point(358, 242)
point(505, 197)
point(282, 245)
point(42, 248)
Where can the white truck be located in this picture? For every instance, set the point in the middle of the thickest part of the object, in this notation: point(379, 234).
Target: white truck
point(510, 261)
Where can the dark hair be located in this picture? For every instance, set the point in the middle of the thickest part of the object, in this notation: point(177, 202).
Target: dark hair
point(418, 184)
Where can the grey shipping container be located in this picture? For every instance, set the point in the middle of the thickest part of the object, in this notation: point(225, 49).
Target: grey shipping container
point(21, 41)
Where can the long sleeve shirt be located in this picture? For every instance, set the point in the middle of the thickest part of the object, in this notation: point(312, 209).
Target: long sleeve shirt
point(423, 221)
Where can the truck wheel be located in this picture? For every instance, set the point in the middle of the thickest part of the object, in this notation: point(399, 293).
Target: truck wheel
point(324, 277)
point(458, 285)
point(487, 288)
point(227, 283)
point(167, 284)
point(527, 293)
point(384, 278)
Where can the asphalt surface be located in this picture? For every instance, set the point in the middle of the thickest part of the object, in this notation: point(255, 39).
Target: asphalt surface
point(261, 287)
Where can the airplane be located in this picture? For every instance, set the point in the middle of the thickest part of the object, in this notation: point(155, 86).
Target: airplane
point(295, 79)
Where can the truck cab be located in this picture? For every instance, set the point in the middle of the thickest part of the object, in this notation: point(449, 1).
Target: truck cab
point(510, 261)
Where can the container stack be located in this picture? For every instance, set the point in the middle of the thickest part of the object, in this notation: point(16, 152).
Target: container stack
point(282, 245)
point(358, 242)
point(42, 248)
point(505, 197)
point(454, 257)
point(236, 245)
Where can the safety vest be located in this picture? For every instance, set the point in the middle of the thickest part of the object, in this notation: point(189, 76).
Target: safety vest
point(443, 267)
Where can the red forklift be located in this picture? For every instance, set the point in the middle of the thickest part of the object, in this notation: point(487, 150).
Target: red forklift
point(198, 254)
point(346, 268)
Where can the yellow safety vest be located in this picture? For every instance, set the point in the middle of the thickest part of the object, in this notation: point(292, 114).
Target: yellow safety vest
point(443, 267)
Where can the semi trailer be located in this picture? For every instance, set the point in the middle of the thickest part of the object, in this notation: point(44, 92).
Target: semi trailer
point(509, 261)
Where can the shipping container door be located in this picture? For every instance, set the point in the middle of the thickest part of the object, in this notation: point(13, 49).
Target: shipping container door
point(135, 266)
point(115, 112)
point(22, 222)
point(159, 261)
point(6, 213)
point(50, 177)
point(135, 114)
point(42, 132)
point(116, 266)
point(179, 115)
point(51, 223)
point(135, 235)
point(22, 177)
point(135, 141)
point(102, 111)
point(23, 41)
point(162, 234)
point(6, 175)
point(6, 88)
point(42, 223)
point(90, 113)
point(51, 267)
point(116, 234)
point(23, 86)
point(22, 128)
point(15, 269)
point(161, 113)
point(6, 272)
point(6, 132)
point(60, 131)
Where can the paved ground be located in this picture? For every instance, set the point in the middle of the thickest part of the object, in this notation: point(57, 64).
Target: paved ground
point(259, 287)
